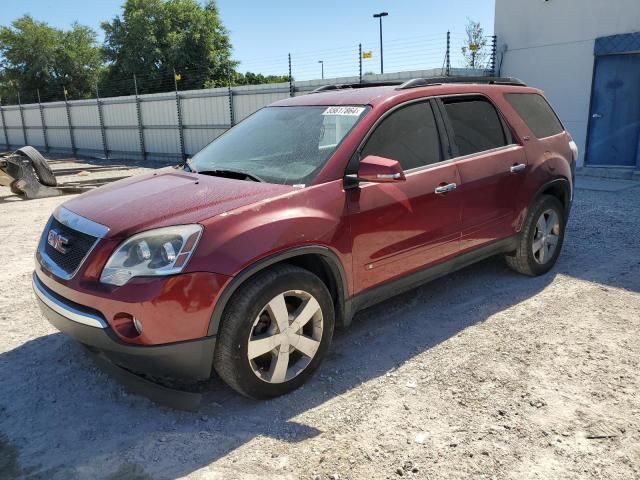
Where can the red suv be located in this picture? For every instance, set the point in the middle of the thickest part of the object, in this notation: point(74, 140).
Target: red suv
point(245, 258)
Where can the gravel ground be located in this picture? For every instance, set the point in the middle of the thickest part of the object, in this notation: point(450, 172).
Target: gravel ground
point(482, 374)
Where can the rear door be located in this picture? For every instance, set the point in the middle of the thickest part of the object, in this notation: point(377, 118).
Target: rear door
point(492, 168)
point(398, 228)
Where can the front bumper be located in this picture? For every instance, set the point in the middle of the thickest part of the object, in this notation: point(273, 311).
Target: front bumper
point(189, 361)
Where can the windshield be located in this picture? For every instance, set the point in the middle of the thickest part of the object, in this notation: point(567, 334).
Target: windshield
point(287, 145)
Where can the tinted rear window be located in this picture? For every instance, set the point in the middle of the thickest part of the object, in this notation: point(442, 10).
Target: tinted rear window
point(536, 113)
point(476, 125)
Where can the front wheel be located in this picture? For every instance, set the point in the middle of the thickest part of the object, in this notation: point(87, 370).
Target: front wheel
point(541, 238)
point(275, 331)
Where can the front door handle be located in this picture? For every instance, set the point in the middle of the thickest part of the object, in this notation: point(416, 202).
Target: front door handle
point(518, 168)
point(450, 187)
point(596, 115)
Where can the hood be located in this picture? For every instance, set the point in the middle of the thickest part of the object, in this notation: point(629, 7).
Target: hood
point(167, 197)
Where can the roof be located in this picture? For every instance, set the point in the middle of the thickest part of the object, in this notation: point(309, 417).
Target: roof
point(377, 95)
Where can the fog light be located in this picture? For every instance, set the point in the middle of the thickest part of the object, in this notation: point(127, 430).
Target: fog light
point(137, 325)
point(126, 325)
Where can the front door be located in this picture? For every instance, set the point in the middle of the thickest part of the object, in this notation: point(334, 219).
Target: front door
point(614, 126)
point(398, 228)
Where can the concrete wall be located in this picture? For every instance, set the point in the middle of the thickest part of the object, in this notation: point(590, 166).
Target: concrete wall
point(549, 45)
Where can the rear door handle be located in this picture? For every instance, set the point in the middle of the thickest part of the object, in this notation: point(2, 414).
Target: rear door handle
point(450, 187)
point(518, 168)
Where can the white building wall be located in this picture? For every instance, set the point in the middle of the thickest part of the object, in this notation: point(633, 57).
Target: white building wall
point(549, 45)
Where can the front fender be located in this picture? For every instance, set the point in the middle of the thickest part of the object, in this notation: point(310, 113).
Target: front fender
point(306, 222)
point(234, 240)
point(329, 257)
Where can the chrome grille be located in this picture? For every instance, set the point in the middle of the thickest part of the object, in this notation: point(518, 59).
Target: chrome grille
point(78, 247)
point(80, 235)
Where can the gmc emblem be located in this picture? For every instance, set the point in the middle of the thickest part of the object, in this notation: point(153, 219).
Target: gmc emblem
point(58, 241)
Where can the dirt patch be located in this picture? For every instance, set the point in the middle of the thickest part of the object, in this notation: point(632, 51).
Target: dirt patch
point(482, 374)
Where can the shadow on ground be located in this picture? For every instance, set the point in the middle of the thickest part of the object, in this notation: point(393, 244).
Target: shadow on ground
point(72, 417)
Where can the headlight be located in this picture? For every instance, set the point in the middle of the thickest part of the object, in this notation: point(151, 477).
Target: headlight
point(163, 251)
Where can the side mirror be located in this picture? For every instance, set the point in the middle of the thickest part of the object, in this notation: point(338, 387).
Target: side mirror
point(380, 170)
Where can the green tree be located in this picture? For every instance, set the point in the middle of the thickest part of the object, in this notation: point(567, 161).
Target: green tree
point(250, 78)
point(474, 50)
point(153, 38)
point(36, 56)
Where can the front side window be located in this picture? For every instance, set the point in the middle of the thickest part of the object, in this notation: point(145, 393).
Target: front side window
point(287, 145)
point(408, 135)
point(476, 125)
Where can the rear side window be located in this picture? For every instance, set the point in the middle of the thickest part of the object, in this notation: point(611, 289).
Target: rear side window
point(408, 135)
point(536, 113)
point(476, 125)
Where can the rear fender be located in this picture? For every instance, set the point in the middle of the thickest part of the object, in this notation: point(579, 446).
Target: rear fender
point(552, 187)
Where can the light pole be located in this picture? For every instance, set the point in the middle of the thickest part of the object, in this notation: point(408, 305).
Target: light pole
point(321, 62)
point(379, 16)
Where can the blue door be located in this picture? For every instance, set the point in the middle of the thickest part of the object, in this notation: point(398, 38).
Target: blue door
point(614, 126)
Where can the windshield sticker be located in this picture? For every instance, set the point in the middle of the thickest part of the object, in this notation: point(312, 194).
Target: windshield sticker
point(345, 111)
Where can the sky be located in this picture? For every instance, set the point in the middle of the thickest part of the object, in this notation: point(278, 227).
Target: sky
point(264, 32)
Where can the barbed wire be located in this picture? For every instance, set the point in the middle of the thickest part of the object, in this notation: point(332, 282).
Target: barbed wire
point(421, 52)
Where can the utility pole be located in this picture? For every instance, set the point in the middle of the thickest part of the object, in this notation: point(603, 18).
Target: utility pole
point(360, 61)
point(291, 88)
point(379, 17)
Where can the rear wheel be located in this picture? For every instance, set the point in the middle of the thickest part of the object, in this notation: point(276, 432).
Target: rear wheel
point(275, 331)
point(541, 238)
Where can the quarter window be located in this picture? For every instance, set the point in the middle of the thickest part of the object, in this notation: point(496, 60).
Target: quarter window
point(536, 113)
point(476, 125)
point(408, 135)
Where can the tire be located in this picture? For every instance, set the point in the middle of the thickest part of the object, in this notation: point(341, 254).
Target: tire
point(534, 255)
point(40, 165)
point(256, 371)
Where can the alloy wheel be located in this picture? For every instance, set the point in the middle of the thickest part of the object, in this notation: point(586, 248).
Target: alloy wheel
point(285, 336)
point(546, 236)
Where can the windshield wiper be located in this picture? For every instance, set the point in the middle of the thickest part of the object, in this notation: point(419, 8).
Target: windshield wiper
point(236, 174)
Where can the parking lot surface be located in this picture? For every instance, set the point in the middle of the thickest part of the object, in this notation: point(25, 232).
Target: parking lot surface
point(481, 374)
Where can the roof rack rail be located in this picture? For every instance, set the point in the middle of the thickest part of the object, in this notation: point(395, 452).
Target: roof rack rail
point(423, 82)
point(346, 86)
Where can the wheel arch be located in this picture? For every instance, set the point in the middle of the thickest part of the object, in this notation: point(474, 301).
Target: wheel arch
point(559, 188)
point(317, 259)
